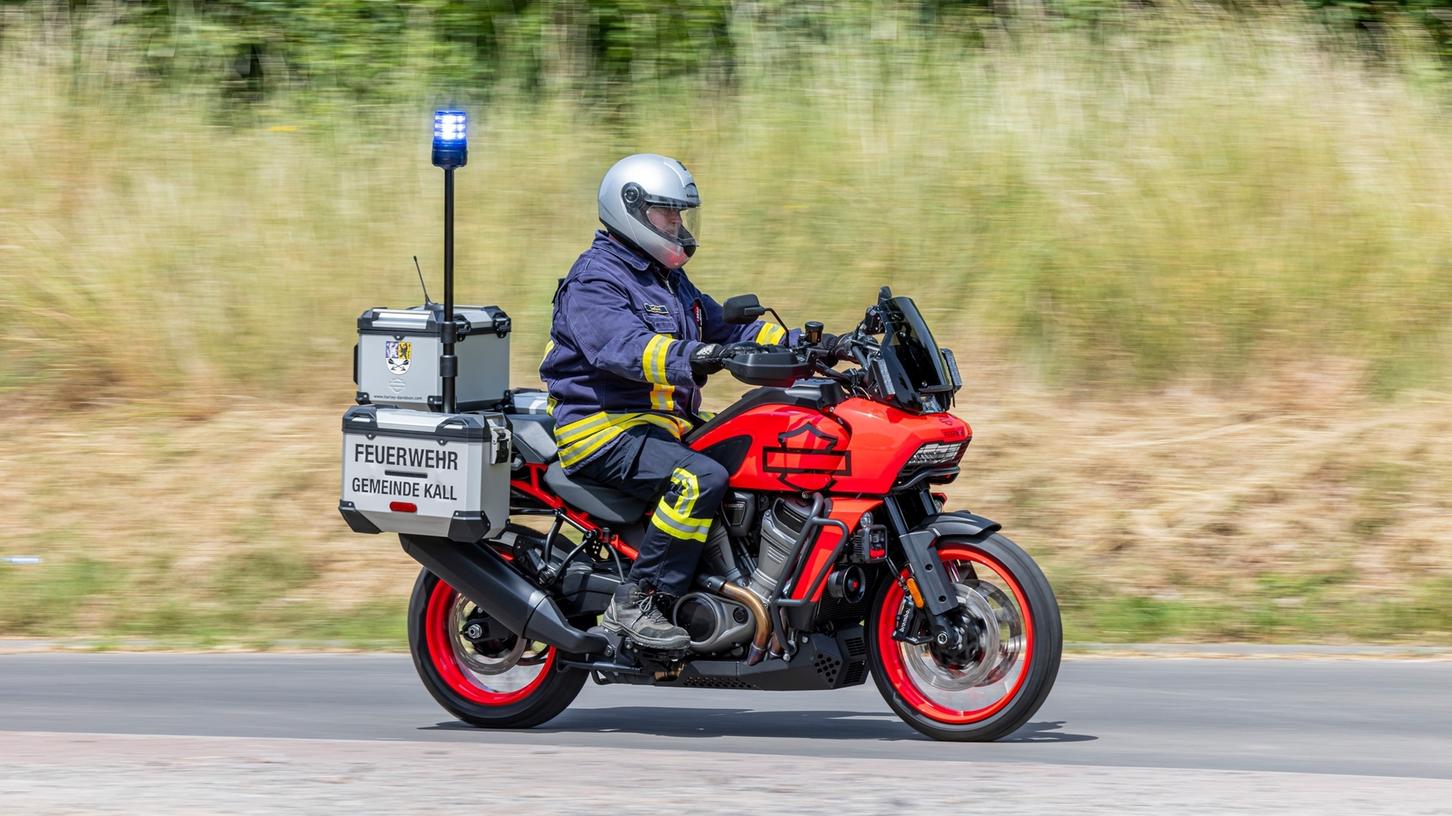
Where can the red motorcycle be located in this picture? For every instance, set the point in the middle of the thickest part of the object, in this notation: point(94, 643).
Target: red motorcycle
point(831, 558)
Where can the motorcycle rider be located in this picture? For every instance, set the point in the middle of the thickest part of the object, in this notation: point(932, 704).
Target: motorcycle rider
point(632, 341)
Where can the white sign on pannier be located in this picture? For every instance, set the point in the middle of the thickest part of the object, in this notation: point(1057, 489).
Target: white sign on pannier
point(425, 473)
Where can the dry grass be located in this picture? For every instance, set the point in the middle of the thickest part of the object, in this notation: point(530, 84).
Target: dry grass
point(1295, 509)
point(1190, 494)
point(1181, 196)
point(1088, 215)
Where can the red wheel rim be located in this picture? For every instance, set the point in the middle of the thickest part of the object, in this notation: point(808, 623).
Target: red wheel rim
point(465, 683)
point(903, 682)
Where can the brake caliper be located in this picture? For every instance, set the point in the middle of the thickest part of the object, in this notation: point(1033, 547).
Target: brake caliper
point(909, 626)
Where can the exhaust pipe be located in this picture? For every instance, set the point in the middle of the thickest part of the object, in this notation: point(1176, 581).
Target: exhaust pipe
point(747, 598)
point(494, 586)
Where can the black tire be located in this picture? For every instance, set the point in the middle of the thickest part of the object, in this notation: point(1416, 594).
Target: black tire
point(1020, 700)
point(550, 691)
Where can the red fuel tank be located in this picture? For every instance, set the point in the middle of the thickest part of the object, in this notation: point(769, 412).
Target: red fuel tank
point(857, 446)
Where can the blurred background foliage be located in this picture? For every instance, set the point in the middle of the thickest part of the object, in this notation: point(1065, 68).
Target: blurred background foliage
point(1176, 245)
point(1108, 195)
point(1111, 195)
point(376, 48)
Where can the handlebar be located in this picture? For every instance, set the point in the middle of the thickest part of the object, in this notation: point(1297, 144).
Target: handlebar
point(884, 368)
point(777, 368)
point(782, 366)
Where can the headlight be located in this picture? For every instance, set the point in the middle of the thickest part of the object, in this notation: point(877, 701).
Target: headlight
point(936, 453)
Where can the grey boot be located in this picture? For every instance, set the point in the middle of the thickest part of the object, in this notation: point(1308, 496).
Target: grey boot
point(635, 613)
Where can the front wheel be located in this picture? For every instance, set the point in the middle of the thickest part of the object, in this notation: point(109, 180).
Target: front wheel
point(1015, 652)
point(479, 671)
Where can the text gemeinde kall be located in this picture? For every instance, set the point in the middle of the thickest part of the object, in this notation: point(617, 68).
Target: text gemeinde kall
point(398, 456)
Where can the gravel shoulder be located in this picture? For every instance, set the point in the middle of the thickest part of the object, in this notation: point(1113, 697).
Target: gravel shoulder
point(212, 733)
point(49, 774)
point(1228, 651)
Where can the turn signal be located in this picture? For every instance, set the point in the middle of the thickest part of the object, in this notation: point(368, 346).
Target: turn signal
point(915, 592)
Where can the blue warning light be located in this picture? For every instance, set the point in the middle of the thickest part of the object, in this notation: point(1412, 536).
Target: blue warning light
point(451, 138)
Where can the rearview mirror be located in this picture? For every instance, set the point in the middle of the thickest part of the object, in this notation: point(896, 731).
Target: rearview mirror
point(742, 309)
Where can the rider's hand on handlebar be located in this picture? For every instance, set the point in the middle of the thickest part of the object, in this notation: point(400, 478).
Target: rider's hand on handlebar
point(709, 358)
point(834, 348)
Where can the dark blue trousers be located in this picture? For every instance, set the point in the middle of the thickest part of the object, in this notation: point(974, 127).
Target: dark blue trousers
point(647, 461)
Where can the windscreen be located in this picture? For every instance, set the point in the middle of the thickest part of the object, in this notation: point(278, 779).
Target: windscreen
point(907, 334)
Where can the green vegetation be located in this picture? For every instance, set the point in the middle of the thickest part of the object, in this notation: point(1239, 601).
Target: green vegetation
point(1333, 524)
point(1114, 206)
point(1276, 609)
point(75, 600)
point(195, 205)
point(367, 50)
point(247, 601)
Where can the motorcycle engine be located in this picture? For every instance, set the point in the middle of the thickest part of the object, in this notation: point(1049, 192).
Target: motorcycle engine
point(714, 623)
point(780, 525)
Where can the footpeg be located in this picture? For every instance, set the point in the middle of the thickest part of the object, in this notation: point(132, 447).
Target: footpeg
point(614, 640)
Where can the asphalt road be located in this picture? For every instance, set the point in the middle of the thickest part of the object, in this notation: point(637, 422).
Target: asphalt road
point(1338, 717)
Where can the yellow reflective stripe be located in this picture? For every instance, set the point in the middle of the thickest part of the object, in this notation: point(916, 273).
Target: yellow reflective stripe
point(665, 350)
point(663, 398)
point(677, 426)
point(669, 528)
point(770, 334)
point(653, 359)
point(571, 428)
point(581, 438)
point(647, 358)
point(580, 451)
point(676, 519)
point(581, 428)
point(687, 523)
point(689, 490)
point(550, 404)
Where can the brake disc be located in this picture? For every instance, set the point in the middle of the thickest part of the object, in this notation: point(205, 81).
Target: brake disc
point(998, 644)
point(1008, 622)
point(498, 660)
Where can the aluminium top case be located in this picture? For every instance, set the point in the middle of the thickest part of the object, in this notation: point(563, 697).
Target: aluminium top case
point(397, 359)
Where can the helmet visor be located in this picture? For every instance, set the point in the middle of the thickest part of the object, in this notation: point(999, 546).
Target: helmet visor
point(680, 225)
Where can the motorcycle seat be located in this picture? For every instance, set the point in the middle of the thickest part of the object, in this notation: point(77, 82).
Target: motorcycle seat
point(534, 437)
point(604, 504)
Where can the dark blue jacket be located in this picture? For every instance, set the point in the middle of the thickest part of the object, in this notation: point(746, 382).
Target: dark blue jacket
point(621, 339)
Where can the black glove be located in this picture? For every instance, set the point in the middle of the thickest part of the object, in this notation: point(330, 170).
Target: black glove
point(834, 348)
point(707, 357)
point(711, 357)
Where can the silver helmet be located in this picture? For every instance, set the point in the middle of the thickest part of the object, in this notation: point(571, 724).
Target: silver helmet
point(651, 201)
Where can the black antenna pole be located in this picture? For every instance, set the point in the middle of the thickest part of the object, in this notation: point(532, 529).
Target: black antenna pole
point(449, 363)
point(451, 151)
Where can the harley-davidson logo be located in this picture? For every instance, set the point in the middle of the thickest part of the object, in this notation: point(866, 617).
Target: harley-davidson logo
point(398, 354)
point(807, 459)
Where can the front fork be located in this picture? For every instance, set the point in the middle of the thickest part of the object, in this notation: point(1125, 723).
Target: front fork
point(934, 598)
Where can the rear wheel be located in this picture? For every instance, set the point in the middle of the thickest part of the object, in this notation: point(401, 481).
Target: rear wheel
point(1014, 654)
point(479, 671)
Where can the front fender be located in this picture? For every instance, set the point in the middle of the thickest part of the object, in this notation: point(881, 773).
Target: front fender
point(960, 523)
point(922, 557)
